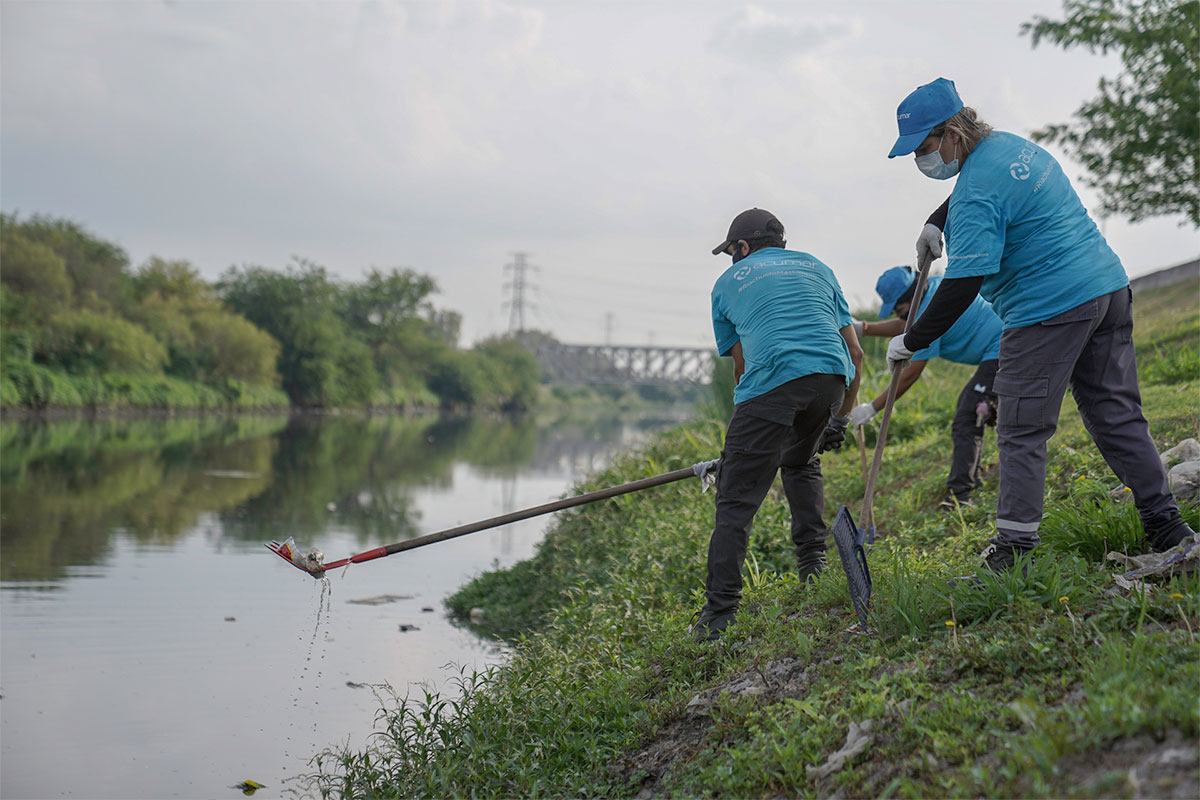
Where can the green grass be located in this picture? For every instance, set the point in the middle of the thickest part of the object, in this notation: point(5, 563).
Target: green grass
point(1016, 686)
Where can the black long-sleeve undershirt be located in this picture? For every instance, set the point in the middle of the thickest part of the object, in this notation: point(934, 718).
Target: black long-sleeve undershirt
point(938, 217)
point(953, 297)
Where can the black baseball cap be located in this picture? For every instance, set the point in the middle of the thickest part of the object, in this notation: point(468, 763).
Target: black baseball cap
point(750, 224)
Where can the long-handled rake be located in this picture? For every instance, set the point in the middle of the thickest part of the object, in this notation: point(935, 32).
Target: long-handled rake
point(313, 561)
point(848, 537)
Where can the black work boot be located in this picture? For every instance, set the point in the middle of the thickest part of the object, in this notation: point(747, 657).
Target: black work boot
point(1171, 536)
point(709, 626)
point(952, 501)
point(810, 564)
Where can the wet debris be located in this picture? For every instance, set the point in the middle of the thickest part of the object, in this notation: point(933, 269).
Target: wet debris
point(785, 677)
point(1184, 557)
point(313, 561)
point(381, 599)
point(858, 739)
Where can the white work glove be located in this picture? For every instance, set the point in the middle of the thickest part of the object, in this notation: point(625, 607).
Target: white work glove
point(861, 413)
point(897, 353)
point(930, 241)
point(858, 327)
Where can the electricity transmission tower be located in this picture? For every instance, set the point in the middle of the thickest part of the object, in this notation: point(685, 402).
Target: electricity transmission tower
point(519, 284)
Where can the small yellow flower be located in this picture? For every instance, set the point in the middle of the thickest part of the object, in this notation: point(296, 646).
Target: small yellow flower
point(1128, 489)
point(1176, 596)
point(1063, 599)
point(949, 623)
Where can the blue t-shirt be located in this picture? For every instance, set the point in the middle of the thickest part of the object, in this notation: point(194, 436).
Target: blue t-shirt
point(1015, 218)
point(787, 310)
point(972, 339)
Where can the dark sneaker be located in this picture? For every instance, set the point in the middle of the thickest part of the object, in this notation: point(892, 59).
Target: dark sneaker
point(1173, 536)
point(1002, 557)
point(996, 558)
point(708, 626)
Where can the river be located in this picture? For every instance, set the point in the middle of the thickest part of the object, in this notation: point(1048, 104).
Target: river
point(151, 647)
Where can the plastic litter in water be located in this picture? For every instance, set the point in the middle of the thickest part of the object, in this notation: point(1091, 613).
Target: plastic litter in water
point(313, 561)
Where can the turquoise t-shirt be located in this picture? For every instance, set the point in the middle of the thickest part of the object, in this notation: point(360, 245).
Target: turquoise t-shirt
point(787, 310)
point(972, 339)
point(1015, 218)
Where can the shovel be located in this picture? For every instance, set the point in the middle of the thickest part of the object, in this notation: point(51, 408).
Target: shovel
point(313, 561)
point(848, 537)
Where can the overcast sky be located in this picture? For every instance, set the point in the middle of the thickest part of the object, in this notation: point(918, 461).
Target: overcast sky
point(610, 141)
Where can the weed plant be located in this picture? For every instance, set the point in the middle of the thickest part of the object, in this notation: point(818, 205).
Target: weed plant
point(1047, 681)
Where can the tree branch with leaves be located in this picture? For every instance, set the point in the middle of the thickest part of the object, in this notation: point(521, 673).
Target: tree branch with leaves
point(1139, 138)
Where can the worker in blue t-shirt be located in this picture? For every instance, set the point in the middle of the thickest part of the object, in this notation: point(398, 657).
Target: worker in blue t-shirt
point(782, 317)
point(1019, 236)
point(973, 339)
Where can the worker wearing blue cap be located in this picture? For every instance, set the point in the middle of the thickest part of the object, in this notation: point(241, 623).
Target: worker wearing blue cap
point(782, 317)
point(1018, 235)
point(973, 339)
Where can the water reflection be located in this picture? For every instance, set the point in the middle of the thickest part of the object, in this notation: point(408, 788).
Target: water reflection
point(152, 643)
point(67, 486)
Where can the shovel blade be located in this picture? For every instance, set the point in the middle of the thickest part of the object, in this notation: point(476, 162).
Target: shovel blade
point(848, 538)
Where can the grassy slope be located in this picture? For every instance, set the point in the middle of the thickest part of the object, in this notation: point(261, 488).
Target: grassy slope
point(1047, 686)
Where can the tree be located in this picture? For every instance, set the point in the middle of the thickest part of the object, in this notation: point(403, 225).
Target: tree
point(510, 372)
point(320, 362)
point(1139, 138)
point(97, 269)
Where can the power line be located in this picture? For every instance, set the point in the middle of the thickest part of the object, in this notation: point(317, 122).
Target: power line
point(702, 311)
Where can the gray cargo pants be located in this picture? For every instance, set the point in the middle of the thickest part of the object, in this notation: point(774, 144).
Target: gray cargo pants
point(779, 431)
point(1089, 347)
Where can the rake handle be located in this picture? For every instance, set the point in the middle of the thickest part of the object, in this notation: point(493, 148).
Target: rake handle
point(515, 516)
point(914, 311)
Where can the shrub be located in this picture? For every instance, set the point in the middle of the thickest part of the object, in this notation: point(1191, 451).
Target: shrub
point(228, 346)
point(1172, 365)
point(87, 341)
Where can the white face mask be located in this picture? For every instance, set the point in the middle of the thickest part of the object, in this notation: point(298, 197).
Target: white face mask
point(932, 165)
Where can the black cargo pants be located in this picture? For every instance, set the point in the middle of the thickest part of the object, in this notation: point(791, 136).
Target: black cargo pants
point(966, 431)
point(778, 431)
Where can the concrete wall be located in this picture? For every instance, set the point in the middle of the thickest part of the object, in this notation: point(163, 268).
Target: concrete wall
point(1187, 271)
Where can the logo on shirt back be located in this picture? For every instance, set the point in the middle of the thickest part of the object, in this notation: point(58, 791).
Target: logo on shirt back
point(1019, 169)
point(741, 274)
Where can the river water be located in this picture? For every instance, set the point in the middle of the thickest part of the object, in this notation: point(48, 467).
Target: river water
point(151, 647)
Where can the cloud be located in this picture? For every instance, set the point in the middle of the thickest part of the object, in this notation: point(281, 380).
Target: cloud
point(761, 37)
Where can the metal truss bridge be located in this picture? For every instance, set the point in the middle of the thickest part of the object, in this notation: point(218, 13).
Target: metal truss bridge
point(625, 365)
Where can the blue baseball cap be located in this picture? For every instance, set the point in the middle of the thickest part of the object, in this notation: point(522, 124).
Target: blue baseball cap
point(922, 111)
point(891, 286)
